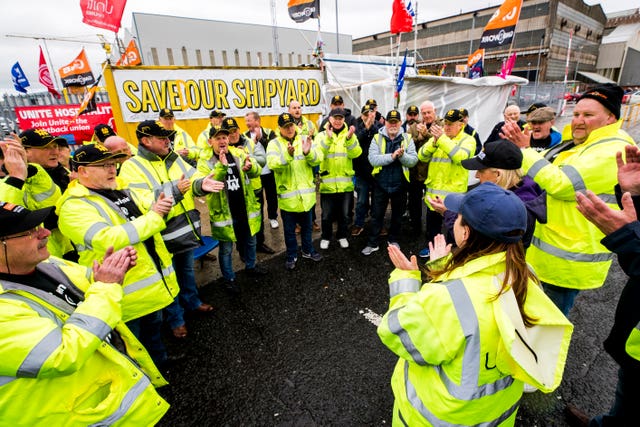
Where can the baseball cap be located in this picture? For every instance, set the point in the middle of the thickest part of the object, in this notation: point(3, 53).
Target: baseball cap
point(37, 138)
point(464, 112)
point(491, 210)
point(453, 116)
point(394, 115)
point(166, 113)
point(15, 219)
point(533, 107)
point(413, 110)
point(102, 132)
point(366, 108)
point(337, 112)
point(337, 99)
point(216, 113)
point(217, 130)
point(501, 154)
point(90, 154)
point(541, 115)
point(372, 102)
point(230, 124)
point(285, 119)
point(153, 128)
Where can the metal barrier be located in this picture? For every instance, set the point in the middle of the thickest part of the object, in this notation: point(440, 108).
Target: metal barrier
point(630, 115)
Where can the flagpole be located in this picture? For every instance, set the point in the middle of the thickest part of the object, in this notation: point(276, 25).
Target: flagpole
point(397, 98)
point(562, 102)
point(337, 34)
point(55, 79)
point(415, 38)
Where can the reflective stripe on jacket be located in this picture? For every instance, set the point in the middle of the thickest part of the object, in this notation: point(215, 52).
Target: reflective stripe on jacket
point(378, 156)
point(566, 251)
point(94, 224)
point(147, 175)
point(449, 345)
point(57, 364)
point(446, 174)
point(257, 153)
point(219, 210)
point(293, 174)
point(336, 169)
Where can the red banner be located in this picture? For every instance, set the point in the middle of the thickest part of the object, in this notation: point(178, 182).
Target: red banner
point(45, 76)
point(401, 20)
point(105, 14)
point(59, 120)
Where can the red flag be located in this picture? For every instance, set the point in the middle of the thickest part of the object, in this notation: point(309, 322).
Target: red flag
point(131, 55)
point(401, 21)
point(507, 67)
point(103, 14)
point(45, 77)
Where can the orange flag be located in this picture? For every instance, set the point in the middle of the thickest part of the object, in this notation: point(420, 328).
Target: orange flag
point(131, 55)
point(501, 27)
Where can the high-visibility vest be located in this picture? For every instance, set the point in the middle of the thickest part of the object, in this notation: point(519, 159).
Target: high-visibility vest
point(451, 368)
point(336, 169)
point(446, 174)
point(381, 142)
point(257, 152)
point(218, 202)
point(566, 250)
point(57, 368)
point(633, 343)
point(147, 175)
point(94, 224)
point(182, 140)
point(293, 174)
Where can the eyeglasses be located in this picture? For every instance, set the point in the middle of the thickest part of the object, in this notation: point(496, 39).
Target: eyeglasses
point(36, 230)
point(104, 165)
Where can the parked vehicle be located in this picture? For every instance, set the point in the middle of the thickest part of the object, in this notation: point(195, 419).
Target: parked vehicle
point(634, 98)
point(572, 97)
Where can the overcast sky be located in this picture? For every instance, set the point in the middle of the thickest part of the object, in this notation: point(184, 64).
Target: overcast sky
point(63, 19)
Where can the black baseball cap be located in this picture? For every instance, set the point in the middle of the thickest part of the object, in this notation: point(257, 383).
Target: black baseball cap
point(501, 154)
point(372, 102)
point(394, 115)
point(230, 124)
point(338, 112)
point(38, 138)
point(91, 154)
point(15, 219)
point(216, 113)
point(153, 128)
point(166, 113)
point(102, 132)
point(413, 109)
point(337, 99)
point(217, 130)
point(285, 119)
point(453, 116)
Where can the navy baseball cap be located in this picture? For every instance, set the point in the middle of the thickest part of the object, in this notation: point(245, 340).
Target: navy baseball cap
point(500, 154)
point(492, 211)
point(16, 218)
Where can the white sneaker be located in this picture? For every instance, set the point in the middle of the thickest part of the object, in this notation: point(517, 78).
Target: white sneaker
point(369, 250)
point(324, 244)
point(274, 223)
point(344, 243)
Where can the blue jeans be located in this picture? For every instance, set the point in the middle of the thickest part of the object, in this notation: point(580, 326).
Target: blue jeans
point(225, 252)
point(147, 330)
point(335, 207)
point(188, 298)
point(563, 298)
point(624, 411)
point(364, 188)
point(289, 220)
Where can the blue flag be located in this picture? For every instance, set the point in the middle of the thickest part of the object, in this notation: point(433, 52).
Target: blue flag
point(20, 81)
point(403, 69)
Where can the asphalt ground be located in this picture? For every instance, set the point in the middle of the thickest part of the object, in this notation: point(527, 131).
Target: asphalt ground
point(300, 348)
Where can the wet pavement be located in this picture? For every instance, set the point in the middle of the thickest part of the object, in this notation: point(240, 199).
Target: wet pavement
point(300, 348)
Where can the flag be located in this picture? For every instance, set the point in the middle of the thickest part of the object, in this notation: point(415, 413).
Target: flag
point(45, 77)
point(411, 9)
point(475, 63)
point(301, 10)
point(89, 101)
point(401, 21)
point(507, 66)
point(78, 72)
point(131, 55)
point(20, 81)
point(501, 27)
point(103, 14)
point(403, 69)
point(441, 72)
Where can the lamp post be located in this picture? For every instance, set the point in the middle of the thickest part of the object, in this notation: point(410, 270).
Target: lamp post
point(528, 69)
point(535, 95)
point(578, 53)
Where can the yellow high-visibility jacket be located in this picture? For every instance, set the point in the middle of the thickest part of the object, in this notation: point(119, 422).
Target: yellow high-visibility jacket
point(453, 368)
point(56, 366)
point(336, 169)
point(94, 224)
point(446, 174)
point(183, 140)
point(293, 174)
point(566, 250)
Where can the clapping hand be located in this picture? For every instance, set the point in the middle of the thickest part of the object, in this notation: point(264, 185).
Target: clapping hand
point(439, 248)
point(114, 265)
point(400, 261)
point(629, 171)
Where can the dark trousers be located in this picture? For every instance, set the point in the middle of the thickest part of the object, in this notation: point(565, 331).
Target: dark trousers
point(335, 207)
point(415, 203)
point(381, 199)
point(434, 225)
point(148, 330)
point(270, 193)
point(289, 221)
point(260, 233)
point(624, 412)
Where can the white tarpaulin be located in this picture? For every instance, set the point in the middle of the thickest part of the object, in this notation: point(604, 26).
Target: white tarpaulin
point(358, 78)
